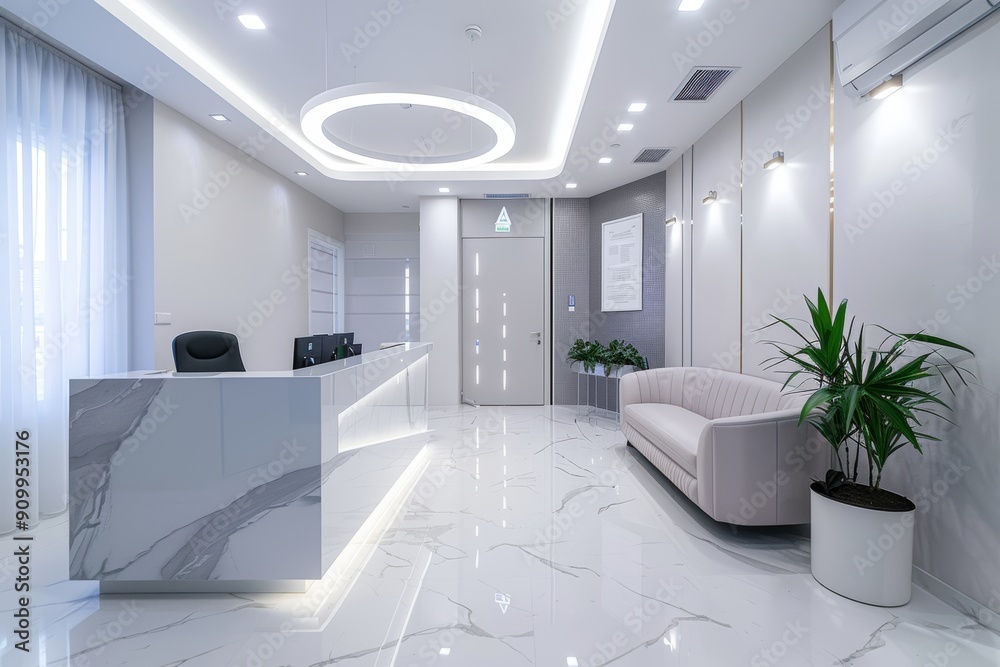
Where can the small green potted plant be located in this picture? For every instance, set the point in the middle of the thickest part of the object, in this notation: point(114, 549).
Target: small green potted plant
point(618, 358)
point(586, 353)
point(867, 404)
point(622, 357)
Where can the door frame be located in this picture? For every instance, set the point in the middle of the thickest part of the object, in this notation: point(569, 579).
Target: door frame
point(547, 358)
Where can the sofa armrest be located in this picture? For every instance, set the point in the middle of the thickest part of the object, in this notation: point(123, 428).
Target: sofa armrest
point(756, 470)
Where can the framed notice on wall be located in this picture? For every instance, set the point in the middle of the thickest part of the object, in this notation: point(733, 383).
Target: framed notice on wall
point(621, 264)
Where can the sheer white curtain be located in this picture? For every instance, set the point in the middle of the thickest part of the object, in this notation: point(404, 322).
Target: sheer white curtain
point(64, 250)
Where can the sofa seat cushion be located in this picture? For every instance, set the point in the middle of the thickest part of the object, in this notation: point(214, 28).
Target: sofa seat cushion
point(673, 429)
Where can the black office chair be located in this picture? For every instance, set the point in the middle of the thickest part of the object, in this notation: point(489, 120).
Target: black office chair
point(207, 352)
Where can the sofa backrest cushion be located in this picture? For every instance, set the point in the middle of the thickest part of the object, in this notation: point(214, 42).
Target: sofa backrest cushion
point(716, 394)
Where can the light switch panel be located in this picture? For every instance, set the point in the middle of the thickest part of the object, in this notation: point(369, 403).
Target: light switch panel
point(162, 318)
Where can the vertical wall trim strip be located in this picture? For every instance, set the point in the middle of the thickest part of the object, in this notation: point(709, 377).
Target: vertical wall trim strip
point(833, 226)
point(739, 332)
point(683, 259)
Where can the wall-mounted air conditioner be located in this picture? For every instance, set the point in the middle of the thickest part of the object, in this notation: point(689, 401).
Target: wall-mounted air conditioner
point(878, 39)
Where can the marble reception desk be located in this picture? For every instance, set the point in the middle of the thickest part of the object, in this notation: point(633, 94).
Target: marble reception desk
point(239, 481)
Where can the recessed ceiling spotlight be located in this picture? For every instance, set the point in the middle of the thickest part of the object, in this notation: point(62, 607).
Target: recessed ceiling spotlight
point(570, 186)
point(301, 173)
point(690, 5)
point(605, 160)
point(445, 651)
point(637, 107)
point(444, 191)
point(572, 662)
point(406, 106)
point(251, 22)
point(218, 116)
point(625, 127)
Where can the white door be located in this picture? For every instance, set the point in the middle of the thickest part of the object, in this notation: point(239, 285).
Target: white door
point(503, 315)
point(326, 285)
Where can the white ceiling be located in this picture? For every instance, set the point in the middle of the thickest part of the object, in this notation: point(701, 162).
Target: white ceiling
point(529, 60)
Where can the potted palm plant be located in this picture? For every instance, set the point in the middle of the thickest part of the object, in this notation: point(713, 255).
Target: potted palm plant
point(868, 405)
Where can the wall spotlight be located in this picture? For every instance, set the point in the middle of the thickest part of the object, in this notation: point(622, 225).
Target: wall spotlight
point(712, 197)
point(776, 161)
point(888, 88)
point(672, 221)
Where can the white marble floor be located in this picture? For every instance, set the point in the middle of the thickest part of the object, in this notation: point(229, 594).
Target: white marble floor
point(535, 538)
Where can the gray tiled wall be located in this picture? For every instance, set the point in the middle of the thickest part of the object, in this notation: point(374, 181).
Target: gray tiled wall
point(645, 328)
point(570, 275)
point(576, 266)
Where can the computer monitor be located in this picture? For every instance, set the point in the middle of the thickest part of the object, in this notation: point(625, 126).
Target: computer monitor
point(308, 352)
point(332, 341)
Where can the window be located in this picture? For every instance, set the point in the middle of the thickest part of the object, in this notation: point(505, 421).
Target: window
point(64, 240)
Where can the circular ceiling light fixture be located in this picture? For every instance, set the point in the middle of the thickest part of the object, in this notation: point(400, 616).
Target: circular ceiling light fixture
point(325, 106)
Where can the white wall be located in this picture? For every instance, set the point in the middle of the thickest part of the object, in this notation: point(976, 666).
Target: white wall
point(440, 296)
point(715, 262)
point(917, 244)
point(786, 211)
point(230, 249)
point(379, 245)
point(674, 267)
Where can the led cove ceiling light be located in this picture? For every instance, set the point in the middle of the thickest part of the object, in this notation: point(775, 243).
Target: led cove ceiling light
point(327, 105)
point(205, 62)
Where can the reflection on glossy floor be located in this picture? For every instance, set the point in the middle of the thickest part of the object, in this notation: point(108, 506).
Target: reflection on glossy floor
point(535, 538)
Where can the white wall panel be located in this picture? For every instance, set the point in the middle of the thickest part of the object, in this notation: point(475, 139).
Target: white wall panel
point(917, 243)
point(674, 267)
point(380, 246)
point(786, 211)
point(716, 248)
point(440, 296)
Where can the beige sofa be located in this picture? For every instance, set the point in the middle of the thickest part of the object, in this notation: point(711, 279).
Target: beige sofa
point(730, 442)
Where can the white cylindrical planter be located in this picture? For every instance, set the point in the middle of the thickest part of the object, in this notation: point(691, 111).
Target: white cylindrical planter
point(862, 554)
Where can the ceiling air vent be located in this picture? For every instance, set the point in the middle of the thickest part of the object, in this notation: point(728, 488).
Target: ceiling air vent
point(702, 83)
point(651, 155)
point(516, 195)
